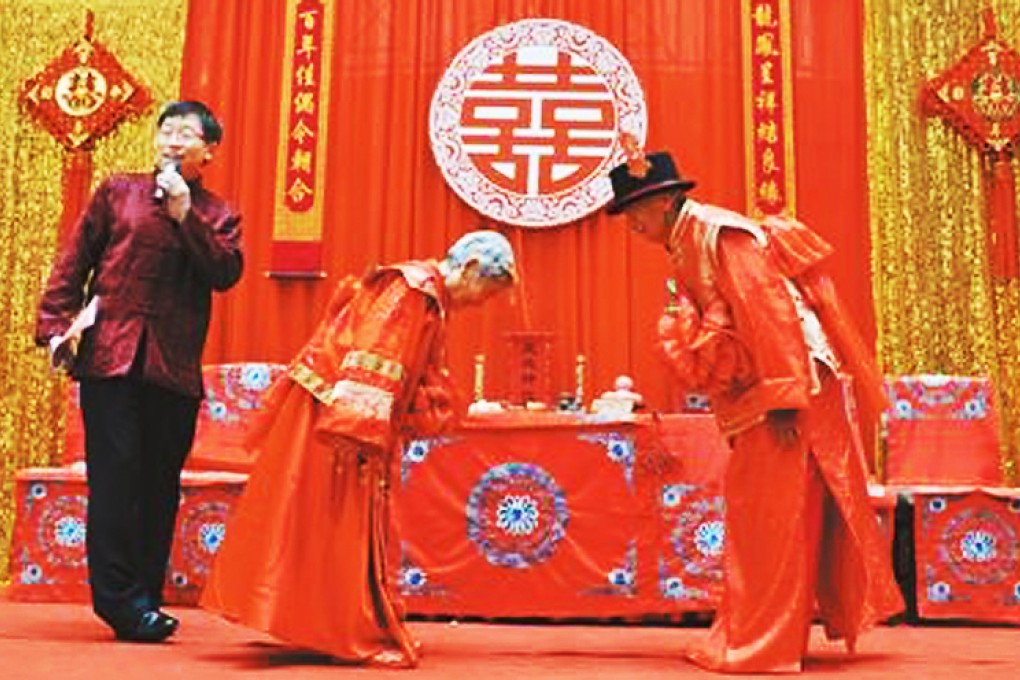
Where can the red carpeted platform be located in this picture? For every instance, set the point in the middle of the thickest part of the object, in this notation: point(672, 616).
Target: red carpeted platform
point(64, 641)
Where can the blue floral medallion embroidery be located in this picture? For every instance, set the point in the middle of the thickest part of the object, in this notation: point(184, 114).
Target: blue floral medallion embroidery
point(516, 515)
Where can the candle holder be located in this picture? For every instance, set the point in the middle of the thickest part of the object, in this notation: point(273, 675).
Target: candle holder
point(479, 377)
point(579, 376)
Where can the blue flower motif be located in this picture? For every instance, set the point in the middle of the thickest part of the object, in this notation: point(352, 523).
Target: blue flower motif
point(621, 577)
point(709, 537)
point(37, 491)
point(939, 592)
point(673, 588)
point(975, 408)
point(414, 578)
point(672, 494)
point(1016, 591)
point(217, 410)
point(620, 451)
point(517, 515)
point(69, 532)
point(32, 573)
point(211, 536)
point(937, 504)
point(416, 451)
point(255, 377)
point(903, 409)
point(978, 546)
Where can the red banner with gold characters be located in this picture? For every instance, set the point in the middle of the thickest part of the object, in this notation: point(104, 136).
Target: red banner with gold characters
point(297, 230)
point(768, 111)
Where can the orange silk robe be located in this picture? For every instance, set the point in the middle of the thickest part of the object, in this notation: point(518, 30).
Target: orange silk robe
point(304, 557)
point(800, 531)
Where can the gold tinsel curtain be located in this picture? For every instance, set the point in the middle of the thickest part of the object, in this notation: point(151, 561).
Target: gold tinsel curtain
point(937, 308)
point(148, 38)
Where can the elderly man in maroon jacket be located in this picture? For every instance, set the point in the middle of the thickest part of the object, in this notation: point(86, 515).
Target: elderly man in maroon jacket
point(145, 257)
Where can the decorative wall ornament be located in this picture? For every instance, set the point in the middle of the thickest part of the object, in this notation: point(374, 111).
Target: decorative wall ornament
point(525, 123)
point(979, 97)
point(83, 94)
point(79, 98)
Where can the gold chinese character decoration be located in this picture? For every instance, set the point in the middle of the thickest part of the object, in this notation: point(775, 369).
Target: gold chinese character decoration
point(83, 94)
point(979, 97)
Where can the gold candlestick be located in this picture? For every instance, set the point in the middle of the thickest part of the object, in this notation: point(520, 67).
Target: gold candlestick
point(479, 377)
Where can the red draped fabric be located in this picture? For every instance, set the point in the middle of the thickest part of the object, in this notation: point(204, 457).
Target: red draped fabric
point(830, 134)
point(599, 289)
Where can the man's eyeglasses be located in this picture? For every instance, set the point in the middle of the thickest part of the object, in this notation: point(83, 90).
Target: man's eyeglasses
point(186, 135)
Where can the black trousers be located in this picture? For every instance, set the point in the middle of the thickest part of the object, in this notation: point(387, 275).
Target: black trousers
point(137, 436)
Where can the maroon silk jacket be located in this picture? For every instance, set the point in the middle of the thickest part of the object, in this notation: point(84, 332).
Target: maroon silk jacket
point(154, 278)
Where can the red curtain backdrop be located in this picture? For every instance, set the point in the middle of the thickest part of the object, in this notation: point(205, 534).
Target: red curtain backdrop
point(597, 287)
point(830, 134)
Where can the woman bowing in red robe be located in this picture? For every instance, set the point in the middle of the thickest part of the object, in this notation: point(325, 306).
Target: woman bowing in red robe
point(304, 557)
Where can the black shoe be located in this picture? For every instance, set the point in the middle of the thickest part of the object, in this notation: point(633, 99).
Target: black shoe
point(152, 626)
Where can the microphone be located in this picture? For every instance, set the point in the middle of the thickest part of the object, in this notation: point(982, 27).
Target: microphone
point(164, 165)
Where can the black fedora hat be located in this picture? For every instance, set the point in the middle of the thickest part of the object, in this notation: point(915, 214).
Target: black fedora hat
point(660, 175)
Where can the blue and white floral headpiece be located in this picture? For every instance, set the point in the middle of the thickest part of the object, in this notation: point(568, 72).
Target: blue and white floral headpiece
point(490, 249)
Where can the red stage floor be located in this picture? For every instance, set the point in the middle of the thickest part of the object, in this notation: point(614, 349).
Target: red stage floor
point(64, 641)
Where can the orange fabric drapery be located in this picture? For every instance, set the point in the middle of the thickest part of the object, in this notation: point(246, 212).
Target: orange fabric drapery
point(599, 289)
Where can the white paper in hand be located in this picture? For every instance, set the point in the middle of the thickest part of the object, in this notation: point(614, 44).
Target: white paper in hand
point(64, 347)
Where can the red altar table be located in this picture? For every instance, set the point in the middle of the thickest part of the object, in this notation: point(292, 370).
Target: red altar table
point(48, 547)
point(233, 399)
point(48, 542)
point(561, 515)
point(942, 430)
point(967, 552)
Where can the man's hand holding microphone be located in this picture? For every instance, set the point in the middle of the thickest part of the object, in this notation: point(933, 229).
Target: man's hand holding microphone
point(170, 185)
